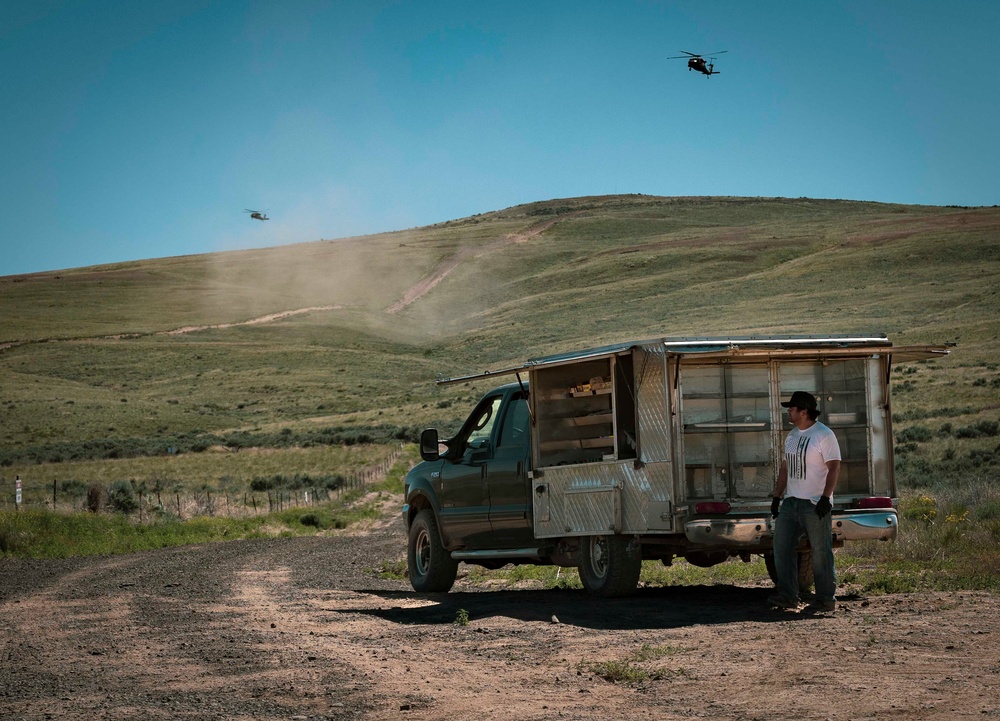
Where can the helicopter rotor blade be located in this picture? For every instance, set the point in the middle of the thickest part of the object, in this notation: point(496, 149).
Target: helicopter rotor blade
point(718, 53)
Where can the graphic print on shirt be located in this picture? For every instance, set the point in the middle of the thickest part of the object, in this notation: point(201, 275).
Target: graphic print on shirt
point(796, 460)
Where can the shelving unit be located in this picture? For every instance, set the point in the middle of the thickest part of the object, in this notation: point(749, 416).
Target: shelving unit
point(726, 411)
point(840, 388)
point(574, 408)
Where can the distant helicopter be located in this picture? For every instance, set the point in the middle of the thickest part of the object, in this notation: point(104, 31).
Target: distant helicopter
point(257, 215)
point(697, 62)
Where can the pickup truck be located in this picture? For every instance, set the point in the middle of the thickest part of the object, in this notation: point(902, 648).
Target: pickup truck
point(668, 448)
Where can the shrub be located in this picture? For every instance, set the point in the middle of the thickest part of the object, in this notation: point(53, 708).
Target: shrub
point(74, 489)
point(914, 434)
point(311, 519)
point(982, 457)
point(982, 429)
point(121, 497)
point(94, 497)
point(261, 484)
point(921, 508)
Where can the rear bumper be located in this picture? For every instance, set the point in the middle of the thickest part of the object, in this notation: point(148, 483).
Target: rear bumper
point(874, 525)
point(754, 530)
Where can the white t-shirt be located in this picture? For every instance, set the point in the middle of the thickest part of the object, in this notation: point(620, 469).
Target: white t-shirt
point(806, 456)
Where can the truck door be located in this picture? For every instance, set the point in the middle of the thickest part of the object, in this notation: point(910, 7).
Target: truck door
point(464, 492)
point(508, 477)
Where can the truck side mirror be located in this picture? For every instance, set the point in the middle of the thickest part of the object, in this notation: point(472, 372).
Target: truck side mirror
point(429, 445)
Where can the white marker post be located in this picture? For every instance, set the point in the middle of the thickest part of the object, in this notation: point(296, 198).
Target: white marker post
point(17, 492)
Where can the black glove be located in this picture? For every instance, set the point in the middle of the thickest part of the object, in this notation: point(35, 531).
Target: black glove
point(775, 506)
point(823, 506)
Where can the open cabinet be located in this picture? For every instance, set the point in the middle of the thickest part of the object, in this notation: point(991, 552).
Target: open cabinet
point(584, 412)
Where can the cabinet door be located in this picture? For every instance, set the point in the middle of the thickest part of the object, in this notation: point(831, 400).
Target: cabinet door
point(727, 420)
point(840, 389)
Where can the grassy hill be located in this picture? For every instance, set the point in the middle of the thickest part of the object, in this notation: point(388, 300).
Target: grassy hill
point(350, 333)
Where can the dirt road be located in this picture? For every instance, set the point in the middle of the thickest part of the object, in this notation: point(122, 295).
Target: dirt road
point(305, 629)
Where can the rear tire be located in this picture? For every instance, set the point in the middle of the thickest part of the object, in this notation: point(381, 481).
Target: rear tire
point(431, 567)
point(609, 565)
point(805, 569)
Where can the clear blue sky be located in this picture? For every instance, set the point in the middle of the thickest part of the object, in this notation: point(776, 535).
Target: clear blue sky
point(134, 130)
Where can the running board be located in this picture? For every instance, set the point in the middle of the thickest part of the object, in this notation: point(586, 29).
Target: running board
point(535, 553)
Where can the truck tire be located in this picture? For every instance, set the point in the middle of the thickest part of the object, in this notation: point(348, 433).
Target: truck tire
point(609, 565)
point(805, 569)
point(431, 567)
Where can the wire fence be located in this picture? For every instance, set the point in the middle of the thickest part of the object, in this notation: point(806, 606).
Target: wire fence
point(225, 497)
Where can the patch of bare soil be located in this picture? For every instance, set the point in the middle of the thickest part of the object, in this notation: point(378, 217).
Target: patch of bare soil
point(446, 266)
point(304, 628)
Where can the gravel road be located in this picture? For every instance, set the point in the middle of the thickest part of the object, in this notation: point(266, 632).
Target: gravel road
point(303, 628)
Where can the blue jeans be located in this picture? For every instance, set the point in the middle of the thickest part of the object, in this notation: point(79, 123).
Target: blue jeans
point(796, 517)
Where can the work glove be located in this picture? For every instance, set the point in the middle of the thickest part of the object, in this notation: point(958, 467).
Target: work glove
point(823, 506)
point(775, 506)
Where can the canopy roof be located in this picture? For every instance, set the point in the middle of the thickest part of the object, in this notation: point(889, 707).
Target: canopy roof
point(729, 346)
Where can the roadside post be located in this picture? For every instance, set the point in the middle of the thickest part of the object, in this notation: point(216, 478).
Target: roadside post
point(17, 493)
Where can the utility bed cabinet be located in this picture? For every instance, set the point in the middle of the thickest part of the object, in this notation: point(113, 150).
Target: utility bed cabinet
point(674, 422)
point(579, 418)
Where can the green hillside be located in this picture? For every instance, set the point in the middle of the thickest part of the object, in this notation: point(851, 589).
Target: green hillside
point(160, 348)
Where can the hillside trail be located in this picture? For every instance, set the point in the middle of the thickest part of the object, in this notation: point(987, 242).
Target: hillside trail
point(446, 266)
point(269, 318)
point(324, 628)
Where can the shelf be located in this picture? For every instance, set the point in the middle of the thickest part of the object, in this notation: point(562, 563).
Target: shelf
point(566, 394)
point(595, 419)
point(723, 397)
point(579, 443)
point(756, 425)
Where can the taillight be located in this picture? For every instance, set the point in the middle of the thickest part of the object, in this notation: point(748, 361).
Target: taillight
point(712, 507)
point(876, 502)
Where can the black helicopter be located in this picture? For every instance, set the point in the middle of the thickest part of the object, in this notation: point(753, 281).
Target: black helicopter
point(257, 215)
point(697, 62)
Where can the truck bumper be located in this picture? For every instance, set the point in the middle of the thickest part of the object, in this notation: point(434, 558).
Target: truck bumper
point(853, 525)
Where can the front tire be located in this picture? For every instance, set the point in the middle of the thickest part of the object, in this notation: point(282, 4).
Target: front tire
point(431, 567)
point(609, 565)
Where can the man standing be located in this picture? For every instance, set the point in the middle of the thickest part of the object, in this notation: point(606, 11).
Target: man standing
point(806, 479)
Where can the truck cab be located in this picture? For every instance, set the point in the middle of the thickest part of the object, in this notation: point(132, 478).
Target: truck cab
point(649, 450)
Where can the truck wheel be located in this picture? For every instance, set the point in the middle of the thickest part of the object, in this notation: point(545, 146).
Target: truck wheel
point(431, 567)
point(805, 569)
point(609, 565)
